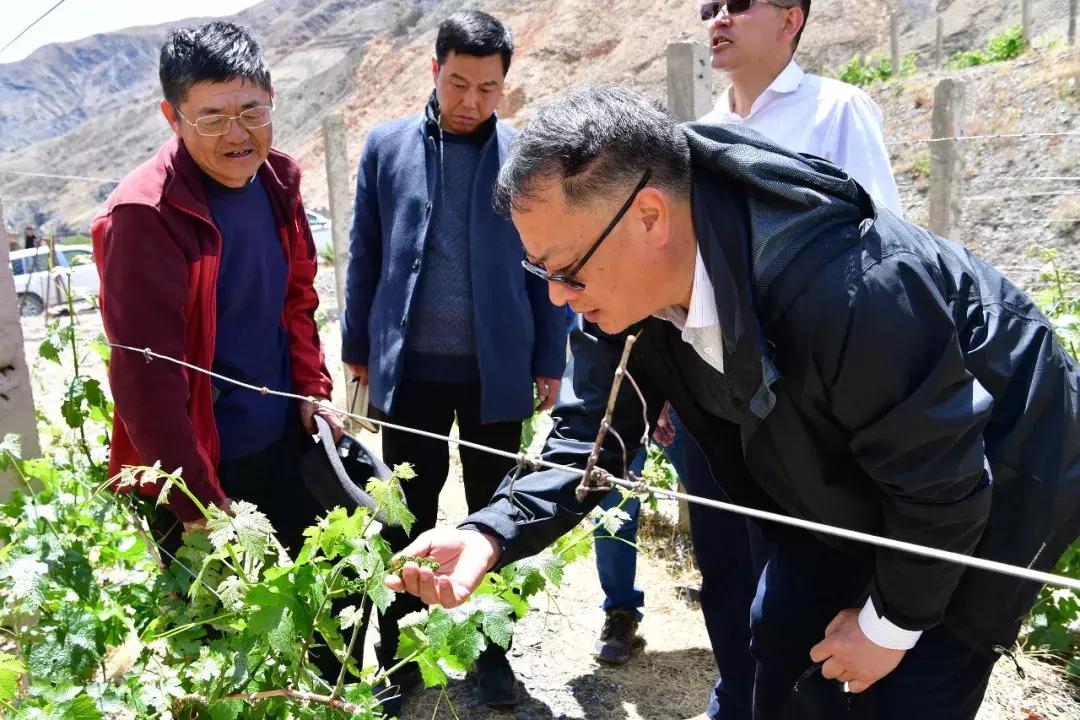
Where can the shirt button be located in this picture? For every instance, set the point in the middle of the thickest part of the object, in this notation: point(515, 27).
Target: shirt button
point(427, 207)
point(416, 264)
point(708, 350)
point(404, 320)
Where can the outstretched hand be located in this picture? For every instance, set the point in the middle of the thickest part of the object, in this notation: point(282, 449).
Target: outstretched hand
point(464, 557)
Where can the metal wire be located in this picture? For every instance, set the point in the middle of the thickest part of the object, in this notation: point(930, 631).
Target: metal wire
point(4, 171)
point(27, 28)
point(1001, 136)
point(1022, 573)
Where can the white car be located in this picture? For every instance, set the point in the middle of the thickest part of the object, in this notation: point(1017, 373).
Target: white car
point(320, 230)
point(35, 284)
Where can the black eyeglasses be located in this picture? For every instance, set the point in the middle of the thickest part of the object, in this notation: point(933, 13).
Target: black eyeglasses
point(568, 278)
point(710, 10)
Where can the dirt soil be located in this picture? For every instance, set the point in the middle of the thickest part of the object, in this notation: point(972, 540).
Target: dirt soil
point(669, 679)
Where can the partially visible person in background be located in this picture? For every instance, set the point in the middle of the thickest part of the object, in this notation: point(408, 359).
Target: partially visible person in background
point(30, 238)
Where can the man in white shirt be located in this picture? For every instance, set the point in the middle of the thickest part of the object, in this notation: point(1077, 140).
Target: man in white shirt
point(754, 42)
point(771, 94)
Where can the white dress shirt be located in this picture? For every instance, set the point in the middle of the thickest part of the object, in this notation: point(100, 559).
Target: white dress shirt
point(823, 117)
point(835, 121)
point(700, 324)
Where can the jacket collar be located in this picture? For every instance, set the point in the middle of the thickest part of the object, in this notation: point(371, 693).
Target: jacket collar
point(721, 234)
point(183, 184)
point(430, 120)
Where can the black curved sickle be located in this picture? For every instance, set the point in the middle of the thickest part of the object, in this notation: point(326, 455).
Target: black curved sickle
point(350, 488)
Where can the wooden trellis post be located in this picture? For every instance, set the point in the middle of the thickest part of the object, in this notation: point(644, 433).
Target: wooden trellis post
point(689, 96)
point(335, 145)
point(946, 159)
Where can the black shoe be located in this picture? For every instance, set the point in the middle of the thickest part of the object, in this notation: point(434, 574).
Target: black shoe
point(618, 637)
point(495, 679)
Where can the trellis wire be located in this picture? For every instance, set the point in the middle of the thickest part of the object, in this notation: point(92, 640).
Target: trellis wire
point(999, 136)
point(823, 528)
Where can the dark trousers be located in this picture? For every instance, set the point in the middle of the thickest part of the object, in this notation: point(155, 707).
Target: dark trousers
point(801, 590)
point(271, 480)
point(433, 406)
point(730, 553)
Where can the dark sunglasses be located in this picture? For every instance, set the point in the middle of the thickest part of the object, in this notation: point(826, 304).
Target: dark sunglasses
point(568, 278)
point(710, 10)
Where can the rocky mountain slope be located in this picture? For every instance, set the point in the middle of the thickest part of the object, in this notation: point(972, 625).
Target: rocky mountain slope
point(90, 108)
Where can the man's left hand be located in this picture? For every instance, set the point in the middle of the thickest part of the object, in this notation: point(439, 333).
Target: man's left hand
point(850, 656)
point(547, 390)
point(308, 411)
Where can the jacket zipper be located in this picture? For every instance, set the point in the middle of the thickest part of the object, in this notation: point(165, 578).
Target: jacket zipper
point(212, 340)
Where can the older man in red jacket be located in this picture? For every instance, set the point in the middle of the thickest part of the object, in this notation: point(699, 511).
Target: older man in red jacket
point(205, 254)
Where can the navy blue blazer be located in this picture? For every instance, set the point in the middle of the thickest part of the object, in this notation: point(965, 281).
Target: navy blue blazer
point(520, 335)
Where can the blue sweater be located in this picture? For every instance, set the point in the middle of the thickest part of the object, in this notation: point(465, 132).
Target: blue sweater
point(441, 343)
point(251, 344)
point(519, 334)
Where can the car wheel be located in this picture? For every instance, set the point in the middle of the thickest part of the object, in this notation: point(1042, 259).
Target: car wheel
point(30, 305)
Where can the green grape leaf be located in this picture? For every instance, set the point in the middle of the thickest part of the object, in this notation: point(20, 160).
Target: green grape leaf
point(387, 493)
point(495, 616)
point(349, 617)
point(11, 669)
point(248, 527)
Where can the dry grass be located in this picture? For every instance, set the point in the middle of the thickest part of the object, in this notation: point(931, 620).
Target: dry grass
point(1045, 693)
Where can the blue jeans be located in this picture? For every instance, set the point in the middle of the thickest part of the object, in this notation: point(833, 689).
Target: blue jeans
point(616, 559)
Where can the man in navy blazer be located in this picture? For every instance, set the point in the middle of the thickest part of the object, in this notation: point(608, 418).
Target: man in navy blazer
point(441, 320)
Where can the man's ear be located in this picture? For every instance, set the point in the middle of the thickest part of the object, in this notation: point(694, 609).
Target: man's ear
point(794, 20)
point(652, 210)
point(170, 116)
point(434, 69)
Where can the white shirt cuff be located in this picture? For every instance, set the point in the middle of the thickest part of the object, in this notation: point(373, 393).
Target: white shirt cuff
point(881, 631)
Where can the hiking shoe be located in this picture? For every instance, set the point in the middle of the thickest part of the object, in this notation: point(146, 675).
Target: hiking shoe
point(618, 638)
point(495, 679)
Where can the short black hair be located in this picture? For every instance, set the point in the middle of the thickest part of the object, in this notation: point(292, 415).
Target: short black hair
point(471, 32)
point(597, 141)
point(215, 52)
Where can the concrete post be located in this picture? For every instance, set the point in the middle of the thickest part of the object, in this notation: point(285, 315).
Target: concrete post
point(1025, 19)
point(689, 96)
point(894, 43)
point(689, 80)
point(946, 159)
point(1072, 22)
point(16, 395)
point(335, 146)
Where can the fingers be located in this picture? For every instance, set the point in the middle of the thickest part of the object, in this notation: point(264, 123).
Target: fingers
point(833, 669)
point(543, 394)
point(547, 391)
point(432, 589)
point(420, 547)
point(858, 686)
point(823, 650)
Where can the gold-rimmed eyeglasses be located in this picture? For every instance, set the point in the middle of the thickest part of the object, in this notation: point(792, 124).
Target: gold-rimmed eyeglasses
point(215, 125)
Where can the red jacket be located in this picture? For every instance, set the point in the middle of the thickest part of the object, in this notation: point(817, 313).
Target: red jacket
point(158, 253)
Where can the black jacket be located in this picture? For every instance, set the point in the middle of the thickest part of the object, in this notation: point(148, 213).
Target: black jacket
point(893, 383)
